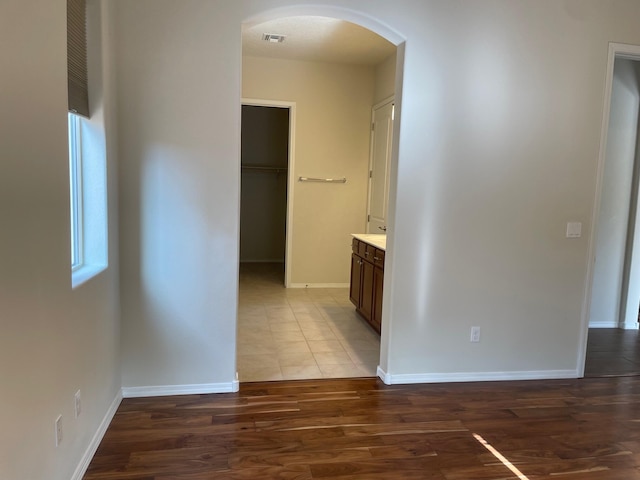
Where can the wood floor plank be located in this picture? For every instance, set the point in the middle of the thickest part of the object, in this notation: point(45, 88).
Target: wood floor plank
point(351, 429)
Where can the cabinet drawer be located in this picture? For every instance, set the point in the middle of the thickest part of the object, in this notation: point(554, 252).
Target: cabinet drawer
point(369, 252)
point(362, 249)
point(378, 258)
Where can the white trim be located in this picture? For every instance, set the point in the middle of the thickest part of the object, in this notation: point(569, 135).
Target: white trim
point(622, 326)
point(384, 376)
point(76, 182)
point(604, 325)
point(288, 253)
point(382, 103)
point(399, 379)
point(319, 285)
point(166, 390)
point(350, 15)
point(616, 50)
point(91, 450)
point(84, 273)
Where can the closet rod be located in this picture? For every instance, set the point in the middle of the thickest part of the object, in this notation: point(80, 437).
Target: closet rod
point(264, 168)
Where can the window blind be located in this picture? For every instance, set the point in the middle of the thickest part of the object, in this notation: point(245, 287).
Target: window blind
point(77, 76)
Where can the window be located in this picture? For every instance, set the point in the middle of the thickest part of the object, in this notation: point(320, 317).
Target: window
point(75, 193)
point(87, 198)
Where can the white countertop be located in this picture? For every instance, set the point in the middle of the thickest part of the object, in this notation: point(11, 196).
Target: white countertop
point(378, 240)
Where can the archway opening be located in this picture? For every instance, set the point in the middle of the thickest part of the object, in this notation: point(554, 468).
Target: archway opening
point(330, 70)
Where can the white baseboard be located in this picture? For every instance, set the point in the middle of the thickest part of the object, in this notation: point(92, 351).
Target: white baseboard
point(165, 390)
point(82, 467)
point(399, 379)
point(624, 326)
point(319, 285)
point(604, 325)
point(384, 376)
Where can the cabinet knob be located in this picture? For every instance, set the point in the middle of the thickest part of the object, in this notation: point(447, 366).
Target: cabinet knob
point(376, 258)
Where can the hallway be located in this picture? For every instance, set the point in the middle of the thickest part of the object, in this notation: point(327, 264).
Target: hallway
point(612, 352)
point(290, 334)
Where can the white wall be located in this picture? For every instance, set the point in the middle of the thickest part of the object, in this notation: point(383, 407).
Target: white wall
point(179, 139)
point(498, 150)
point(616, 193)
point(333, 111)
point(500, 120)
point(54, 340)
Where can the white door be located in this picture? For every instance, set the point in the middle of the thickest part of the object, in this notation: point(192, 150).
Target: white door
point(379, 165)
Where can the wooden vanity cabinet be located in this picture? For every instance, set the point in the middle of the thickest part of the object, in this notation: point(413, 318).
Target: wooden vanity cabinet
point(355, 286)
point(366, 294)
point(367, 278)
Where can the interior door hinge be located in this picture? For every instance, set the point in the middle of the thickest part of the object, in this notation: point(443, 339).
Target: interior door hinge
point(370, 173)
point(368, 218)
point(373, 126)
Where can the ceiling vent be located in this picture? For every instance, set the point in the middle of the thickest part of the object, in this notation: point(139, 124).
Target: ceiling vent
point(273, 38)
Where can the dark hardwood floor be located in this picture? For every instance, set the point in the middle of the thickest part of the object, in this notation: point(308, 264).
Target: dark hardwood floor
point(612, 352)
point(586, 429)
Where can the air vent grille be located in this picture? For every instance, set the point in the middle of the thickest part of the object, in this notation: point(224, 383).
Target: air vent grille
point(273, 37)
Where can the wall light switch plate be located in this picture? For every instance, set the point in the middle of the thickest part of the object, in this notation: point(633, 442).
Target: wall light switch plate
point(574, 229)
point(475, 334)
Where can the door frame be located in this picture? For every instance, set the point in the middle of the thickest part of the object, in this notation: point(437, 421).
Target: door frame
point(621, 51)
point(291, 106)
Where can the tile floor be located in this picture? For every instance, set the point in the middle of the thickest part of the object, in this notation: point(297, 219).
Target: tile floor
point(290, 334)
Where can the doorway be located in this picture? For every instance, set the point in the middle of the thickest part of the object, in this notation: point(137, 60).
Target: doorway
point(325, 337)
point(265, 162)
point(612, 337)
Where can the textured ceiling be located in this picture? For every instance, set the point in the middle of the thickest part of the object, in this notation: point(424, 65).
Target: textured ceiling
point(317, 39)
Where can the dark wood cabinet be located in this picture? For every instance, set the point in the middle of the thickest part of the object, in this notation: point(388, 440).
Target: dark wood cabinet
point(366, 298)
point(367, 278)
point(355, 287)
point(376, 317)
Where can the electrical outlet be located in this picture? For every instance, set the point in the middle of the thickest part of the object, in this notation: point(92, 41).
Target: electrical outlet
point(58, 430)
point(475, 334)
point(77, 404)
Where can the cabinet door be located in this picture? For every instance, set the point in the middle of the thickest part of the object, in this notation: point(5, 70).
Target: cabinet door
point(356, 280)
point(378, 280)
point(366, 304)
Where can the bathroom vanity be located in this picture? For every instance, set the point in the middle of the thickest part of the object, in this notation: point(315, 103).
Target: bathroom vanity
point(367, 276)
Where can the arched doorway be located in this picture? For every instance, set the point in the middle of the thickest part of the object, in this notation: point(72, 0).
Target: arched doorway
point(319, 208)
